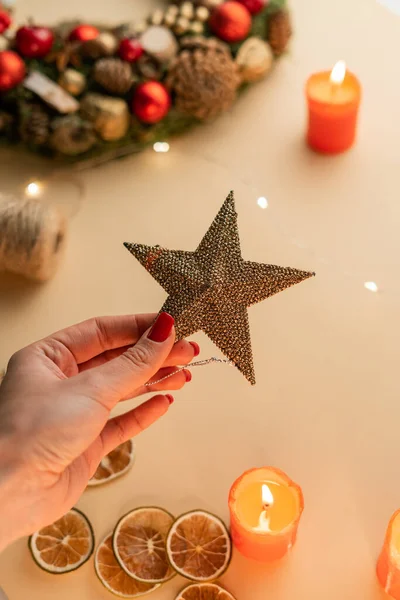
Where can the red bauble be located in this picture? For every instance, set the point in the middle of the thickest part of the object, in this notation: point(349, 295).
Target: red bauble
point(151, 102)
point(12, 70)
point(130, 50)
point(83, 33)
point(254, 6)
point(33, 41)
point(5, 20)
point(231, 22)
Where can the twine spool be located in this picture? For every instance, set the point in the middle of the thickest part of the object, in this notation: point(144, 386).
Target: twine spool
point(32, 237)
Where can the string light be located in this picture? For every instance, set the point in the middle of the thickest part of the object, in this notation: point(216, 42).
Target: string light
point(262, 202)
point(371, 286)
point(33, 189)
point(161, 147)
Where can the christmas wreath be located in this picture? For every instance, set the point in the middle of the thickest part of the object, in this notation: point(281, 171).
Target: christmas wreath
point(78, 91)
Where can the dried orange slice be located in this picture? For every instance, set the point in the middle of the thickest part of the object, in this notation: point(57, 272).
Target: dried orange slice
point(116, 463)
point(113, 577)
point(139, 544)
point(64, 546)
point(199, 546)
point(204, 591)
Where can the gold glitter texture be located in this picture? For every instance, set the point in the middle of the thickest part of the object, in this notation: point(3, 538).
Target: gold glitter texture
point(211, 288)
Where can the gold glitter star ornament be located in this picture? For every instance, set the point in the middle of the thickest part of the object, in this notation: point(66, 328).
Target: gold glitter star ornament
point(211, 288)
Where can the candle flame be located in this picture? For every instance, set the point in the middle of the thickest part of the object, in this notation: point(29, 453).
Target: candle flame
point(267, 497)
point(338, 73)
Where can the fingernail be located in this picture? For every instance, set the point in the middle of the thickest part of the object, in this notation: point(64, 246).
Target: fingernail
point(188, 375)
point(196, 348)
point(170, 398)
point(161, 328)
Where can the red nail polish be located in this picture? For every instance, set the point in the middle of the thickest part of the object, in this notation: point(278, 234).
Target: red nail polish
point(161, 328)
point(188, 375)
point(196, 348)
point(170, 398)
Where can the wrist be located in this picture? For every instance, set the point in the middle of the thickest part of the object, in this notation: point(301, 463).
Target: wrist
point(11, 491)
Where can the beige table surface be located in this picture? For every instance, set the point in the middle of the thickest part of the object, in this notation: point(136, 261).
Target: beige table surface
point(326, 408)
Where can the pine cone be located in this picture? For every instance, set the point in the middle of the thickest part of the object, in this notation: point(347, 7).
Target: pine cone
point(204, 78)
point(35, 126)
point(114, 75)
point(6, 123)
point(71, 135)
point(279, 31)
point(149, 68)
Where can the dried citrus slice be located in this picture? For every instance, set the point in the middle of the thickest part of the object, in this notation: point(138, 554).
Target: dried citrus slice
point(64, 546)
point(204, 591)
point(113, 577)
point(139, 544)
point(116, 463)
point(199, 546)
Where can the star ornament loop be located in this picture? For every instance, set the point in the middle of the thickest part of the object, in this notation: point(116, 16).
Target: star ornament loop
point(211, 288)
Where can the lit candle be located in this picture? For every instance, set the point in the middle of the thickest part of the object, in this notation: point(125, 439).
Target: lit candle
point(333, 103)
point(388, 567)
point(265, 507)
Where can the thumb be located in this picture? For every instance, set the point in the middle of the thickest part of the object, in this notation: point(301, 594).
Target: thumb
point(122, 376)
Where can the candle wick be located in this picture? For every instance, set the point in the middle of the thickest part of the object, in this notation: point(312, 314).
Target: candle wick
point(263, 523)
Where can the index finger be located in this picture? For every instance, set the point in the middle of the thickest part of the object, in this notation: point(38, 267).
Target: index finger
point(100, 334)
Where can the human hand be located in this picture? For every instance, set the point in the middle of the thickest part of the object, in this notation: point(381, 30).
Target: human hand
point(55, 403)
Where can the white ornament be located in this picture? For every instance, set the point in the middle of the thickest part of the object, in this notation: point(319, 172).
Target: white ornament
point(8, 4)
point(160, 43)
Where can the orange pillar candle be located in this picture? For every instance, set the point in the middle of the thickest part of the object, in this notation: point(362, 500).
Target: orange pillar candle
point(265, 508)
point(388, 567)
point(333, 103)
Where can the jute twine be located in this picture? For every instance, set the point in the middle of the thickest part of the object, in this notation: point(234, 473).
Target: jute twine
point(32, 237)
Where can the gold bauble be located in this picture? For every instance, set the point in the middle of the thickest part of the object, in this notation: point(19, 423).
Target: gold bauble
point(254, 59)
point(72, 81)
